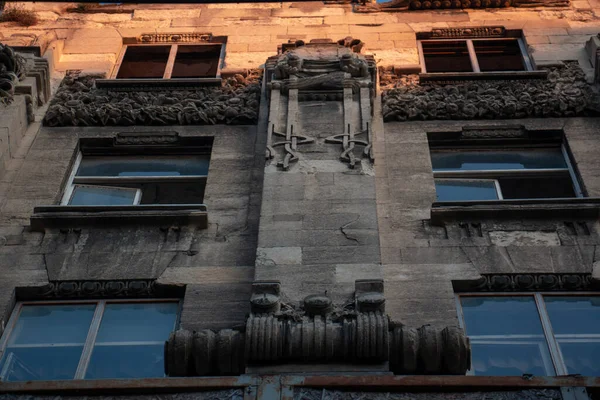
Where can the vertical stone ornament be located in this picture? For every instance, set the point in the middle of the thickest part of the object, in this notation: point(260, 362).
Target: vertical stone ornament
point(319, 71)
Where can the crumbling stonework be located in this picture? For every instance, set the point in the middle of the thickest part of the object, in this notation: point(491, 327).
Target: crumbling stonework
point(79, 103)
point(564, 93)
point(328, 394)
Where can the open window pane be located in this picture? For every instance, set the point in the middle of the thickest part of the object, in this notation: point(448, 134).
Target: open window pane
point(446, 56)
point(553, 186)
point(40, 363)
point(196, 61)
point(144, 62)
point(497, 160)
point(86, 195)
point(581, 356)
point(463, 189)
point(499, 55)
point(130, 340)
point(144, 166)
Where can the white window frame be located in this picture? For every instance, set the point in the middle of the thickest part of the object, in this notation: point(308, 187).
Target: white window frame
point(171, 59)
point(528, 65)
point(90, 341)
point(97, 181)
point(471, 179)
point(550, 338)
point(492, 174)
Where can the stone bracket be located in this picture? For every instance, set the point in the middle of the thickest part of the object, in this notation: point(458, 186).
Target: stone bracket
point(369, 295)
point(265, 297)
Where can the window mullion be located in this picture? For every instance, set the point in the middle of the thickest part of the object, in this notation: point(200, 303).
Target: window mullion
point(171, 62)
point(70, 184)
point(421, 57)
point(473, 56)
point(90, 340)
point(557, 359)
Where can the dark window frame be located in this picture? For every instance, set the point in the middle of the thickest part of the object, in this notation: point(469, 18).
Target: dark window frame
point(90, 341)
point(506, 145)
point(527, 62)
point(170, 61)
point(557, 359)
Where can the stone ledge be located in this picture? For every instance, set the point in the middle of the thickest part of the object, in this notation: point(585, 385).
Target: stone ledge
point(588, 207)
point(459, 76)
point(162, 84)
point(45, 217)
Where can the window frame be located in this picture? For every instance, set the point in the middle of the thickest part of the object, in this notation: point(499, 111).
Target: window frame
point(494, 174)
point(527, 63)
point(93, 329)
point(556, 356)
point(100, 180)
point(170, 61)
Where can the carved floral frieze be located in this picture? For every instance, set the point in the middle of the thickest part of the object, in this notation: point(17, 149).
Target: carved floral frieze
point(530, 282)
point(12, 69)
point(406, 5)
point(78, 102)
point(565, 93)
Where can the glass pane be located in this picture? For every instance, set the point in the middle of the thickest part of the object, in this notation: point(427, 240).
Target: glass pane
point(144, 62)
point(52, 324)
point(135, 322)
point(510, 315)
point(499, 55)
point(40, 363)
point(144, 166)
point(133, 361)
point(494, 160)
point(46, 342)
point(511, 358)
point(130, 340)
point(101, 196)
point(574, 315)
point(506, 334)
point(196, 61)
point(446, 56)
point(454, 190)
point(551, 186)
point(581, 356)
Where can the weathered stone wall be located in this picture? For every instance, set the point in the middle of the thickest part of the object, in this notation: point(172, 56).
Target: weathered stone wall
point(421, 260)
point(216, 264)
point(327, 394)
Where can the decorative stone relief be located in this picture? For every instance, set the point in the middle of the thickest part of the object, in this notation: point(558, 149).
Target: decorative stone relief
point(301, 393)
point(174, 37)
point(326, 71)
point(12, 70)
point(528, 282)
point(565, 93)
point(79, 103)
point(319, 332)
point(91, 289)
point(405, 5)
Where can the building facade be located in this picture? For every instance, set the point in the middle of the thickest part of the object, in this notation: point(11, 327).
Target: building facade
point(313, 200)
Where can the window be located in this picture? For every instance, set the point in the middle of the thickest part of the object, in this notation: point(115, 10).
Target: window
point(86, 340)
point(169, 61)
point(538, 334)
point(105, 177)
point(474, 55)
point(509, 170)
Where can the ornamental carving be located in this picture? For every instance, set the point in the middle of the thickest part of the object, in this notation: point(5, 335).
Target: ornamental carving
point(174, 37)
point(12, 70)
point(146, 138)
point(565, 93)
point(318, 332)
point(96, 289)
point(319, 71)
point(451, 33)
point(405, 5)
point(78, 102)
point(528, 282)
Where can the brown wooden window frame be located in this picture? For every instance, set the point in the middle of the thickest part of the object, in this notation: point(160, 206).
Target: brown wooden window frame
point(170, 61)
point(527, 64)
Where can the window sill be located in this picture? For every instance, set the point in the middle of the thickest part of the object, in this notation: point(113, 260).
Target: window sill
point(45, 217)
point(583, 207)
point(468, 76)
point(149, 84)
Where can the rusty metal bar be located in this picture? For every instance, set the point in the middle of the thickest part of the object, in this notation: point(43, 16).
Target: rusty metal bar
point(148, 385)
point(440, 381)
